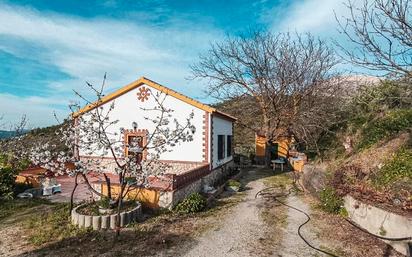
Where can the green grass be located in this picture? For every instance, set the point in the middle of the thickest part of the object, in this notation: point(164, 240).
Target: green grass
point(233, 183)
point(330, 201)
point(14, 207)
point(397, 168)
point(52, 225)
point(390, 124)
point(280, 180)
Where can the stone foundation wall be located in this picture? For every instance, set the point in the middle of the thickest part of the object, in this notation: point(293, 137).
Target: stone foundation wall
point(216, 176)
point(168, 199)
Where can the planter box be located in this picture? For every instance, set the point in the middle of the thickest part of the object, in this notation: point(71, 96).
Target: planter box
point(98, 222)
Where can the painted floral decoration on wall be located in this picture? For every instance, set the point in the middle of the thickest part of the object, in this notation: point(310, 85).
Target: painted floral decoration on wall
point(143, 94)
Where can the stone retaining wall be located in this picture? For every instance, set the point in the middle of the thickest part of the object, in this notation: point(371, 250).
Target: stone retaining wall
point(381, 222)
point(105, 221)
point(371, 218)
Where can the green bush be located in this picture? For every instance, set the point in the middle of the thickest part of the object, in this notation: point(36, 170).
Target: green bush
point(330, 201)
point(384, 96)
point(233, 183)
point(7, 178)
point(193, 203)
point(398, 167)
point(104, 203)
point(392, 123)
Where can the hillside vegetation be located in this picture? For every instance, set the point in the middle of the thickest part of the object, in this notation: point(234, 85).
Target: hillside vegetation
point(369, 154)
point(13, 156)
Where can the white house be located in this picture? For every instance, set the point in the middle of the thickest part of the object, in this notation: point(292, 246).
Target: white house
point(195, 163)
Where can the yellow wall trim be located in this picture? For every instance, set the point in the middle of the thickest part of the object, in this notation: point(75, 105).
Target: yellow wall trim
point(157, 86)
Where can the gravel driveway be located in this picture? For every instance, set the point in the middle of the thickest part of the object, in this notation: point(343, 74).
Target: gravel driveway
point(239, 231)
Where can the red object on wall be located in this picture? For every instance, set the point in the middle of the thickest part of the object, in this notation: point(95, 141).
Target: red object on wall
point(143, 94)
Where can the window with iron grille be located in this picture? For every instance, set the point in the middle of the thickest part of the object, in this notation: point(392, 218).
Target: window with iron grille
point(220, 147)
point(229, 149)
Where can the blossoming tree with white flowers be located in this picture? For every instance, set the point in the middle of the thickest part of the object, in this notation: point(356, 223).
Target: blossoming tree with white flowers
point(93, 133)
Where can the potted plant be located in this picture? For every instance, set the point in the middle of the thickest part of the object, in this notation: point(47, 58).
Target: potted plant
point(104, 205)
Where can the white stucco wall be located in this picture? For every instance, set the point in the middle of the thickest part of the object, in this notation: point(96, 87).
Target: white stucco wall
point(128, 109)
point(220, 126)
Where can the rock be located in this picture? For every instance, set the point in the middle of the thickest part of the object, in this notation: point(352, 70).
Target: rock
point(313, 179)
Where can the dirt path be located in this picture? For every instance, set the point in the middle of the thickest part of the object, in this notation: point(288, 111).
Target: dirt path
point(239, 232)
point(292, 244)
point(244, 231)
point(12, 243)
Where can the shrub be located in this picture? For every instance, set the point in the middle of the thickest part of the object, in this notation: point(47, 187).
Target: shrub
point(386, 95)
point(392, 123)
point(9, 168)
point(399, 167)
point(193, 203)
point(21, 187)
point(7, 178)
point(233, 183)
point(330, 201)
point(104, 202)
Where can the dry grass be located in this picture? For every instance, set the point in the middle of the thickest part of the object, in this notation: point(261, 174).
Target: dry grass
point(339, 237)
point(273, 214)
point(167, 233)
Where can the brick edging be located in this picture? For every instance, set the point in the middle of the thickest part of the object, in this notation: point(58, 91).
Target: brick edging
point(205, 137)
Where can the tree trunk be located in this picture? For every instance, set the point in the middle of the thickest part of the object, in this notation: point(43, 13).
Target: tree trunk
point(268, 154)
point(90, 187)
point(119, 203)
point(268, 138)
point(119, 206)
point(109, 190)
point(74, 189)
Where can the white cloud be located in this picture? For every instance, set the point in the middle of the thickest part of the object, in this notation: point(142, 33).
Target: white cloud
point(87, 48)
point(38, 110)
point(315, 16)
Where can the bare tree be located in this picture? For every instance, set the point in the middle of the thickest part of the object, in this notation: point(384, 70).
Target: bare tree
point(93, 133)
point(283, 73)
point(381, 35)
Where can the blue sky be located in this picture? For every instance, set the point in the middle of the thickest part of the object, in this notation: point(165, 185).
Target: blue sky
point(49, 48)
